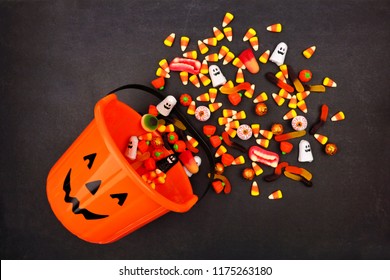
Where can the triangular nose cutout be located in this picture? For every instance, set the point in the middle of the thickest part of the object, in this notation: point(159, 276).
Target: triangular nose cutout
point(93, 186)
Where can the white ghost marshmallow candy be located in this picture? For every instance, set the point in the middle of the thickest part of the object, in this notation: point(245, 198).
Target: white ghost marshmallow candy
point(198, 161)
point(305, 154)
point(131, 150)
point(217, 77)
point(165, 107)
point(279, 54)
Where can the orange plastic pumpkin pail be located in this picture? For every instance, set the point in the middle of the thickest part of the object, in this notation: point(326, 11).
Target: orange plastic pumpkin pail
point(94, 190)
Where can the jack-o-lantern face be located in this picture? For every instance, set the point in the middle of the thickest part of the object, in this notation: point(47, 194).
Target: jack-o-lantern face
point(92, 188)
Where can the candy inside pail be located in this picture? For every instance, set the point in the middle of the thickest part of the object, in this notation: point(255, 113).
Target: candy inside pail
point(94, 190)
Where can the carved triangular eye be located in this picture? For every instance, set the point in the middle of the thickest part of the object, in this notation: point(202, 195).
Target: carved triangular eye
point(93, 186)
point(120, 196)
point(91, 159)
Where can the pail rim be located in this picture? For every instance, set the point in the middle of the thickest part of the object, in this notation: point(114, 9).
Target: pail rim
point(119, 157)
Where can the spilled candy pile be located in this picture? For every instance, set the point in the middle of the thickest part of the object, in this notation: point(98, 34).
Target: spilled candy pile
point(204, 68)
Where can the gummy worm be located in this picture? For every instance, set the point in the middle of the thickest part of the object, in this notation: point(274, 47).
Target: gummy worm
point(298, 178)
point(300, 171)
point(277, 173)
point(230, 143)
point(321, 122)
point(294, 78)
point(290, 135)
point(273, 79)
point(242, 86)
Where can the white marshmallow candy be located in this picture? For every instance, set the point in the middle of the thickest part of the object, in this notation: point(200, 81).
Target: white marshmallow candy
point(279, 54)
point(305, 154)
point(217, 77)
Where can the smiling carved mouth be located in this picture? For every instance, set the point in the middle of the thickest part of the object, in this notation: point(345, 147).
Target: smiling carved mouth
point(75, 202)
point(279, 52)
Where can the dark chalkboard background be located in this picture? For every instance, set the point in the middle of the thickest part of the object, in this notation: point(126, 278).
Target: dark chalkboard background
point(59, 57)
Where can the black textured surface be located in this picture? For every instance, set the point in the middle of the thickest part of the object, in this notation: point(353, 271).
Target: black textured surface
point(58, 58)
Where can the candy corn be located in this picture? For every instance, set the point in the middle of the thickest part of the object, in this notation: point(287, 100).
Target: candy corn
point(212, 57)
point(266, 133)
point(195, 81)
point(321, 138)
point(278, 99)
point(215, 106)
point(227, 19)
point(202, 47)
point(218, 34)
point(283, 93)
point(228, 31)
point(255, 129)
point(302, 106)
point(249, 34)
point(293, 102)
point(191, 54)
point(261, 98)
point(205, 97)
point(338, 117)
point(211, 41)
point(193, 142)
point(255, 189)
point(231, 131)
point(276, 195)
point(328, 82)
point(164, 65)
point(290, 115)
point(240, 76)
point(254, 41)
point(233, 124)
point(228, 57)
point(220, 151)
point(191, 109)
point(249, 92)
point(238, 63)
point(223, 120)
point(263, 142)
point(213, 94)
point(204, 79)
point(228, 112)
point(284, 70)
point(184, 77)
point(239, 116)
point(265, 56)
point(162, 73)
point(184, 43)
point(277, 27)
point(280, 76)
point(258, 170)
point(169, 40)
point(222, 52)
point(204, 69)
point(302, 95)
point(239, 160)
point(309, 52)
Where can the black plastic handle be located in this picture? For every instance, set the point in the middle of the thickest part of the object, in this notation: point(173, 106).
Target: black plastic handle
point(191, 129)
